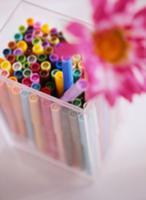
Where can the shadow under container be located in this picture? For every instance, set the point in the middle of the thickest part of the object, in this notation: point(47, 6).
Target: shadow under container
point(73, 138)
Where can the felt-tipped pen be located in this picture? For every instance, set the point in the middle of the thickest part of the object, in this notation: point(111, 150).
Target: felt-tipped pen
point(78, 88)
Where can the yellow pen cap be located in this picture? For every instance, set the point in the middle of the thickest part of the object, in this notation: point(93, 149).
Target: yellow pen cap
point(13, 78)
point(46, 66)
point(30, 21)
point(6, 65)
point(54, 40)
point(45, 28)
point(22, 45)
point(38, 49)
point(59, 83)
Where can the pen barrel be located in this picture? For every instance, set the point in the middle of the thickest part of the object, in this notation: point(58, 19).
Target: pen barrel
point(7, 108)
point(77, 89)
point(49, 135)
point(67, 136)
point(56, 117)
point(14, 94)
point(78, 155)
point(26, 113)
point(36, 120)
point(67, 73)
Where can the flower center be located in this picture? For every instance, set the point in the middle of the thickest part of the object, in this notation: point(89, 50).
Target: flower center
point(111, 45)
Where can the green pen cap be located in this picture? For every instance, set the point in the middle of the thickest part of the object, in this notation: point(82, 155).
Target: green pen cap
point(77, 102)
point(42, 58)
point(22, 29)
point(76, 74)
point(21, 58)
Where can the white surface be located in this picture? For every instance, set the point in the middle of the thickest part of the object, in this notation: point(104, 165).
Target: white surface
point(22, 177)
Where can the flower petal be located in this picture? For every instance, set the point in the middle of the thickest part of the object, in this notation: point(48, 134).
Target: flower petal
point(141, 17)
point(121, 5)
point(66, 49)
point(100, 11)
point(78, 30)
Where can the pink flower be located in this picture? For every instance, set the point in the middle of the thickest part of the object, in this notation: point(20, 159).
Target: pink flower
point(113, 49)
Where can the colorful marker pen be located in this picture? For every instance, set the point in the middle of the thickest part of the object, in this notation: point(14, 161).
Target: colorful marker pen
point(76, 74)
point(18, 74)
point(17, 52)
point(53, 72)
point(76, 90)
point(59, 83)
point(59, 65)
point(67, 73)
point(36, 86)
point(44, 76)
point(35, 78)
point(6, 65)
point(27, 72)
point(51, 86)
point(77, 102)
point(32, 59)
point(18, 37)
point(46, 66)
point(5, 73)
point(27, 82)
point(7, 52)
point(53, 58)
point(17, 66)
point(42, 58)
point(11, 58)
point(35, 67)
point(12, 45)
point(22, 29)
point(46, 90)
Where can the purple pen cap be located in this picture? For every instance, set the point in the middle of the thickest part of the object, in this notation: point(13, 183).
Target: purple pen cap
point(35, 78)
point(28, 37)
point(54, 31)
point(18, 52)
point(46, 44)
point(53, 58)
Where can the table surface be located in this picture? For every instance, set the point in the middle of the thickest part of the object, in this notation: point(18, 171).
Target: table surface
point(23, 177)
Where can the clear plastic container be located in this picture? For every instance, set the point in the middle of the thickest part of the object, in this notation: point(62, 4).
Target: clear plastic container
point(73, 138)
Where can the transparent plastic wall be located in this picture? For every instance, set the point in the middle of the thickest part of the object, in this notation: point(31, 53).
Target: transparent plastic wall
point(74, 138)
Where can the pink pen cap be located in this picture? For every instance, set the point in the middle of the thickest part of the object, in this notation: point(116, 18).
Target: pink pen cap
point(37, 26)
point(78, 88)
point(35, 78)
point(27, 82)
point(5, 73)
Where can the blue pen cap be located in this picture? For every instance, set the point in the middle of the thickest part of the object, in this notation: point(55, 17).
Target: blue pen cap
point(59, 65)
point(7, 52)
point(18, 37)
point(18, 74)
point(67, 73)
point(36, 86)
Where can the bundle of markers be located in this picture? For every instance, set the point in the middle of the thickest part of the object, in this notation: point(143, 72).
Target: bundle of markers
point(31, 60)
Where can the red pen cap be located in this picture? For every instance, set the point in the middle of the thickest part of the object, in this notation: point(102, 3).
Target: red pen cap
point(46, 90)
point(26, 81)
point(12, 45)
point(11, 58)
point(35, 67)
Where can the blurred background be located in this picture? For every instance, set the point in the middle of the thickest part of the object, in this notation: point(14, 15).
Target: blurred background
point(123, 177)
